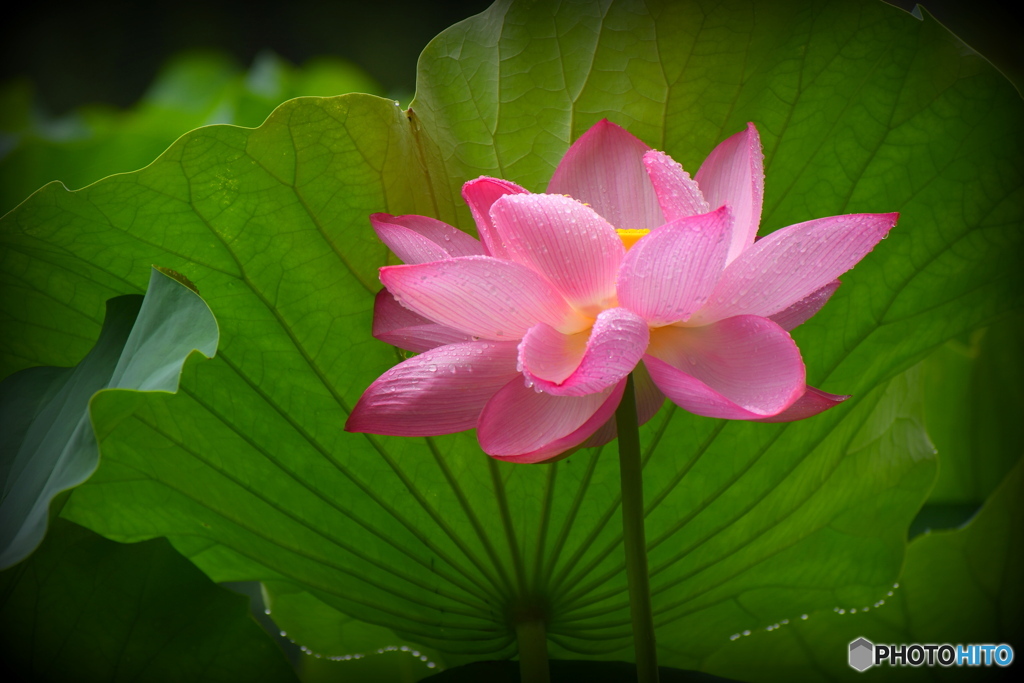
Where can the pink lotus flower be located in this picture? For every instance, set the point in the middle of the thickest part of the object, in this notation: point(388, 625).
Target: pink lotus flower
point(627, 265)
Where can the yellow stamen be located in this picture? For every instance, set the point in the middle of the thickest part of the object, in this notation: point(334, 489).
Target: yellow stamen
point(631, 237)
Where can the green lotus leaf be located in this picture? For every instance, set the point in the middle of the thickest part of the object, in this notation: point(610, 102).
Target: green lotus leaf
point(861, 107)
point(975, 598)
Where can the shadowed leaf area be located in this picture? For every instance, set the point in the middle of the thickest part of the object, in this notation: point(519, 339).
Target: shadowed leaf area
point(565, 671)
point(246, 469)
point(83, 608)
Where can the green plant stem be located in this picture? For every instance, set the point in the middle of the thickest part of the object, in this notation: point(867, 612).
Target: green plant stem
point(533, 651)
point(634, 541)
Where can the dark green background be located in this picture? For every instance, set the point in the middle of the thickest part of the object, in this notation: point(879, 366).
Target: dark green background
point(80, 52)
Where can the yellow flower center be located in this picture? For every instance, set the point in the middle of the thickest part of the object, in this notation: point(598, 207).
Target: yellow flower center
point(631, 237)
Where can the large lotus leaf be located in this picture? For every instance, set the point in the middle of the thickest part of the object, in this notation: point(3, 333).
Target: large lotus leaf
point(247, 470)
point(975, 598)
point(84, 608)
point(193, 89)
point(46, 438)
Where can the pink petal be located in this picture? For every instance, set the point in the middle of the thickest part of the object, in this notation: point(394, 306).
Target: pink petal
point(604, 168)
point(649, 400)
point(567, 242)
point(419, 239)
point(791, 264)
point(395, 324)
point(521, 425)
point(479, 195)
point(481, 296)
point(813, 401)
point(733, 174)
point(561, 365)
point(440, 391)
point(740, 368)
point(671, 272)
point(802, 310)
point(567, 445)
point(678, 194)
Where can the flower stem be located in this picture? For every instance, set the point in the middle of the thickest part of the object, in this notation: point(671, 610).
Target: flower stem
point(633, 536)
point(533, 651)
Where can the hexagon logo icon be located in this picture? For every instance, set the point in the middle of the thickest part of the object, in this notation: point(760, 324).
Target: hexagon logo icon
point(862, 654)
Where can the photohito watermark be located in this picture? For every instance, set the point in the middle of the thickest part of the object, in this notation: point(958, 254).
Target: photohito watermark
point(864, 654)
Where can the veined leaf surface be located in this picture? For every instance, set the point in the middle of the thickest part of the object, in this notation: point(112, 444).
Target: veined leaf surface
point(247, 470)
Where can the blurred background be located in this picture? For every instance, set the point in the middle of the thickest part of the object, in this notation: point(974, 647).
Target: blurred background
point(92, 89)
point(77, 52)
point(82, 52)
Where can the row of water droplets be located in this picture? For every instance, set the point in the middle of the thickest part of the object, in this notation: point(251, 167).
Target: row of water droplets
point(360, 655)
point(804, 617)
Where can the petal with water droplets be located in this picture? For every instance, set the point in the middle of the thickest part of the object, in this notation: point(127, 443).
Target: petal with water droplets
point(438, 392)
point(395, 324)
point(604, 168)
point(480, 194)
point(741, 368)
point(419, 239)
point(481, 296)
point(678, 193)
point(520, 425)
point(733, 175)
point(812, 402)
point(803, 310)
point(790, 264)
point(576, 365)
point(670, 273)
point(568, 243)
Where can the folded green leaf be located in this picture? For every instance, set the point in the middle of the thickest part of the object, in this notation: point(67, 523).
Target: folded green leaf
point(46, 438)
